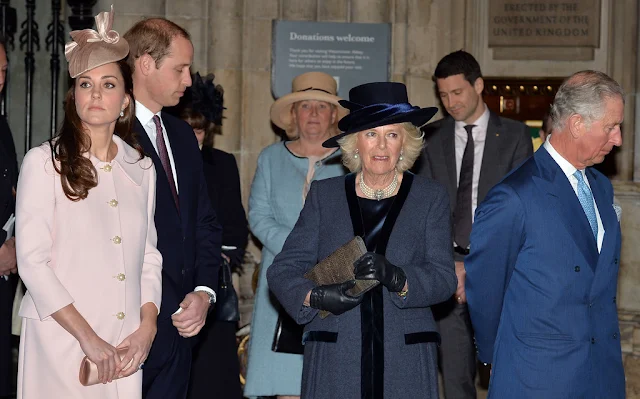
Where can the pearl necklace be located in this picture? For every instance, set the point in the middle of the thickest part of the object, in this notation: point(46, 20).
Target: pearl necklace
point(378, 194)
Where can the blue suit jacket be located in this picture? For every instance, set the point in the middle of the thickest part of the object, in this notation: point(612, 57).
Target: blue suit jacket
point(189, 240)
point(542, 299)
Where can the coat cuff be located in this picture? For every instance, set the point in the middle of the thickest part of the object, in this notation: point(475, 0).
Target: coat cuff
point(207, 290)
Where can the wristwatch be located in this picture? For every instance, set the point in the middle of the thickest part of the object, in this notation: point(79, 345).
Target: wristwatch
point(212, 297)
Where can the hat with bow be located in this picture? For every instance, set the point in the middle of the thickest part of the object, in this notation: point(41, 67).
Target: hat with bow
point(90, 49)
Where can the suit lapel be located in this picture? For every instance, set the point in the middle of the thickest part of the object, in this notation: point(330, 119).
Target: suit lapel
point(448, 137)
point(8, 151)
point(143, 140)
point(606, 211)
point(490, 156)
point(150, 151)
point(607, 262)
point(563, 201)
point(180, 156)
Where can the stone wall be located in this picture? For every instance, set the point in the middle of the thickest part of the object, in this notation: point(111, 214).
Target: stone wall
point(232, 39)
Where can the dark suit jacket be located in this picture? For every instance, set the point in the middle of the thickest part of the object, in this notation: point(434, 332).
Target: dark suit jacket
point(8, 180)
point(507, 145)
point(543, 301)
point(223, 183)
point(189, 240)
point(8, 175)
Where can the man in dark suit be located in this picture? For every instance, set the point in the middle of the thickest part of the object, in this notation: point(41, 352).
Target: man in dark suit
point(543, 302)
point(189, 237)
point(469, 151)
point(8, 267)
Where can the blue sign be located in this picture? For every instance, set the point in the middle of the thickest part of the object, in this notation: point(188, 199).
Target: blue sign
point(352, 53)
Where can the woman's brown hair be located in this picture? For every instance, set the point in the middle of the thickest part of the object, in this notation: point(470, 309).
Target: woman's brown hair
point(77, 173)
point(198, 121)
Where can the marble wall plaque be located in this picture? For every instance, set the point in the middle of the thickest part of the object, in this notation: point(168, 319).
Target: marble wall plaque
point(542, 23)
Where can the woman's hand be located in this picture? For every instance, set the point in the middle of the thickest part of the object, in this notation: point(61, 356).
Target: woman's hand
point(139, 344)
point(334, 298)
point(103, 355)
point(372, 266)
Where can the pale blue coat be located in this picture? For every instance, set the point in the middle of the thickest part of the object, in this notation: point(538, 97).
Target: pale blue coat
point(274, 206)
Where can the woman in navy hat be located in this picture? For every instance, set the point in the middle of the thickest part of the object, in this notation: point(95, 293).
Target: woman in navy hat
point(380, 344)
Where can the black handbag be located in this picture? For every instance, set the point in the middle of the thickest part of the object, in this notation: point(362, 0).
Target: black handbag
point(288, 335)
point(226, 297)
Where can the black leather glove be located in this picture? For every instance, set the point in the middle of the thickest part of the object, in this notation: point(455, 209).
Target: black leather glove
point(372, 266)
point(334, 298)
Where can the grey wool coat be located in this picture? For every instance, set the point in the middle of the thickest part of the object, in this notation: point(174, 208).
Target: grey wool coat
point(385, 347)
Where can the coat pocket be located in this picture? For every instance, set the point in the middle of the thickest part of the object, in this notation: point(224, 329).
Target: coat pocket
point(545, 336)
point(422, 337)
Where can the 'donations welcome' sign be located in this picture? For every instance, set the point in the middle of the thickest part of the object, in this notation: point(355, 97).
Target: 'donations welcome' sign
point(352, 53)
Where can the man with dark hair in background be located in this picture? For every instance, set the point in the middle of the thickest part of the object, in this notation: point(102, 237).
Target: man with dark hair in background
point(8, 267)
point(189, 236)
point(468, 151)
point(545, 129)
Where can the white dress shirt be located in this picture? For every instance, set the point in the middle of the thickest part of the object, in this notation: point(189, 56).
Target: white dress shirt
point(479, 134)
point(569, 170)
point(145, 117)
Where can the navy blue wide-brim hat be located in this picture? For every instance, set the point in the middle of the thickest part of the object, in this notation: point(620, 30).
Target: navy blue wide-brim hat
point(378, 104)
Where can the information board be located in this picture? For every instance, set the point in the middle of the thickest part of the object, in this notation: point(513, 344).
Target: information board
point(352, 53)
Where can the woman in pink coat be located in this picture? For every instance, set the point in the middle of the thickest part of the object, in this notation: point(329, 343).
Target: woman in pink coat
point(86, 235)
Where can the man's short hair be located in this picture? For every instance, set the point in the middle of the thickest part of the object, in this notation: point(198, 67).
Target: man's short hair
point(546, 123)
point(458, 62)
point(152, 36)
point(583, 93)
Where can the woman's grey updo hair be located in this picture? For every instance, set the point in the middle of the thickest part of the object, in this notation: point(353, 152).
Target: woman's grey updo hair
point(584, 94)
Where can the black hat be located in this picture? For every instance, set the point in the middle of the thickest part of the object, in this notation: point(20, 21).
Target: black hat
point(378, 104)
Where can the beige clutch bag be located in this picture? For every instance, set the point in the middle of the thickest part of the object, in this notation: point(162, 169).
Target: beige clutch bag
point(89, 370)
point(338, 268)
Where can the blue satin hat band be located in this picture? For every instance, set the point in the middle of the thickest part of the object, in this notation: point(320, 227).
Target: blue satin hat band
point(378, 104)
point(369, 117)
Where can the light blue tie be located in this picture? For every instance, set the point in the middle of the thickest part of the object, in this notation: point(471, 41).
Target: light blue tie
point(586, 200)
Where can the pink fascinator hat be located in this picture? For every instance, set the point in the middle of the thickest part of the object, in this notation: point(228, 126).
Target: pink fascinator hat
point(90, 49)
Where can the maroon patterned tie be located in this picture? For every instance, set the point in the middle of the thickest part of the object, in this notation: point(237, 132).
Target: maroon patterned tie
point(164, 158)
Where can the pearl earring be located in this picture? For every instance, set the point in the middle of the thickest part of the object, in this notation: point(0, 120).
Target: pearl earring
point(401, 157)
point(355, 156)
point(121, 113)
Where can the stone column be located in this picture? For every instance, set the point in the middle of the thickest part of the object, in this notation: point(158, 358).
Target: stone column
point(333, 10)
point(371, 11)
point(192, 16)
point(623, 44)
point(225, 23)
point(129, 12)
point(624, 66)
point(299, 10)
point(399, 35)
point(434, 29)
point(256, 129)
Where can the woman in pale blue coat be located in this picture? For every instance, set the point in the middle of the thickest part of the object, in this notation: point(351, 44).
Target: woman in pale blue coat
point(309, 116)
